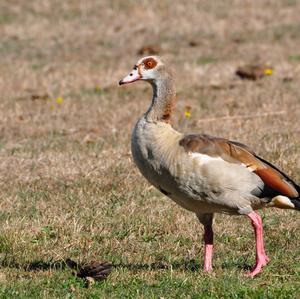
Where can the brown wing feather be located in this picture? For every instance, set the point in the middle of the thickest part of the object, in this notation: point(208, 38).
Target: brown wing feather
point(235, 152)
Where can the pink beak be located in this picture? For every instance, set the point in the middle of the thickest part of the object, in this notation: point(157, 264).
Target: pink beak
point(133, 76)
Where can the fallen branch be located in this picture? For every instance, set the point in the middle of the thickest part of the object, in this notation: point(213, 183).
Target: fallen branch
point(234, 117)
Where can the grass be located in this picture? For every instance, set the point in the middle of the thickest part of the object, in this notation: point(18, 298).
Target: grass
point(69, 188)
point(206, 60)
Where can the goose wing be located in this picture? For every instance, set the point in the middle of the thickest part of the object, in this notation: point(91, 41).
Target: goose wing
point(276, 182)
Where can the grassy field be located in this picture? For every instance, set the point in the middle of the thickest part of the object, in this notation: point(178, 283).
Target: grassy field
point(69, 188)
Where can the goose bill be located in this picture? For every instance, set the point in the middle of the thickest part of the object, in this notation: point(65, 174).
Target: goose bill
point(132, 77)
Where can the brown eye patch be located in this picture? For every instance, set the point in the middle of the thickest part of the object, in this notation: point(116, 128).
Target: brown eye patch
point(149, 63)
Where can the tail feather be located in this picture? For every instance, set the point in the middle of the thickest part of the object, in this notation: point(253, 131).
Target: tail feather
point(298, 190)
point(296, 201)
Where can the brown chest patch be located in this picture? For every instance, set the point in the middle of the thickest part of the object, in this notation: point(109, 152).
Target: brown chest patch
point(149, 63)
point(168, 110)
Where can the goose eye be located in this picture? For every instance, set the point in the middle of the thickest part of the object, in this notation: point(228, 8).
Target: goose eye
point(149, 63)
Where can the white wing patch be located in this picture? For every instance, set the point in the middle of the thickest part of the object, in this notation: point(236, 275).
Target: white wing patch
point(203, 159)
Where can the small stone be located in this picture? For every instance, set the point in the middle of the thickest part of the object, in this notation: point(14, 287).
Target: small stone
point(90, 281)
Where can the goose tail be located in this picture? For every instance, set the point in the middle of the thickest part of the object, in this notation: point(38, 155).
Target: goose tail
point(296, 201)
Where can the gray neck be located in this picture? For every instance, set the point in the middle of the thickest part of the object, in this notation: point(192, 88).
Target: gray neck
point(163, 100)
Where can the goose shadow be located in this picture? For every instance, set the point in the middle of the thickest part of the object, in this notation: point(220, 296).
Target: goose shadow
point(41, 265)
point(187, 265)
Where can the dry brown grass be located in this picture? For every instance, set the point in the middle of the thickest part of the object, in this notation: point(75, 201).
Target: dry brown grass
point(69, 187)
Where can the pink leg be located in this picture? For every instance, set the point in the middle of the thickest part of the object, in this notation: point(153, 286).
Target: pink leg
point(261, 257)
point(208, 251)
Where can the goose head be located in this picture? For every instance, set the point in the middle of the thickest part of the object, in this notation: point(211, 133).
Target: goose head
point(147, 68)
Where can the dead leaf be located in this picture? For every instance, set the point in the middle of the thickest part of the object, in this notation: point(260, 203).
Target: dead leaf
point(43, 96)
point(193, 43)
point(95, 270)
point(149, 50)
point(254, 72)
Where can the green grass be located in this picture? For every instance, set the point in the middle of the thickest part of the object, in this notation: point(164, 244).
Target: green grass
point(206, 60)
point(170, 283)
point(294, 57)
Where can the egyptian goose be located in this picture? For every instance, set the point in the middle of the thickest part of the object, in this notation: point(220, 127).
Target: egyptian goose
point(201, 173)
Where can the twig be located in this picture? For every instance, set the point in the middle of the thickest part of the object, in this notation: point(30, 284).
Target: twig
point(234, 117)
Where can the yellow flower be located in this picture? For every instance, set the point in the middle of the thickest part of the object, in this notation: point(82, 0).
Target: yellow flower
point(59, 100)
point(268, 71)
point(52, 107)
point(98, 88)
point(187, 114)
